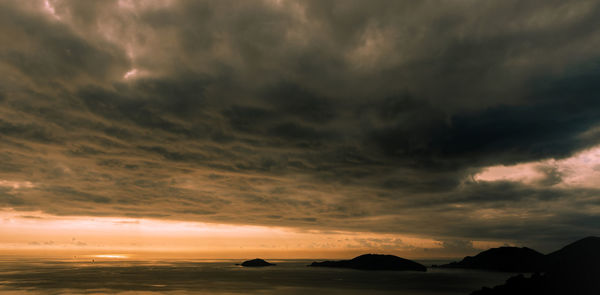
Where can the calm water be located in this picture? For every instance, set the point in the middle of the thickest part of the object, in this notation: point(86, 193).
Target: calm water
point(19, 275)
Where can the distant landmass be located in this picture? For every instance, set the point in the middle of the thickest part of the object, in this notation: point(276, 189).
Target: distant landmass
point(583, 254)
point(256, 263)
point(574, 269)
point(509, 259)
point(374, 262)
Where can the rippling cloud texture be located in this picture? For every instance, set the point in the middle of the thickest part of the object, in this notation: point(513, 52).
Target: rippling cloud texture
point(368, 116)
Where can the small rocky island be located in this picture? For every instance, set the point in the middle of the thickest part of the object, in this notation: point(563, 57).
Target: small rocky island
point(374, 262)
point(256, 263)
point(509, 259)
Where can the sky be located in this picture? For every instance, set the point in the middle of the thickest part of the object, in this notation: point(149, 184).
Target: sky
point(298, 128)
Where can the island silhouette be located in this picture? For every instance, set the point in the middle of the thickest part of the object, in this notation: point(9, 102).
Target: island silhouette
point(574, 269)
point(374, 262)
point(509, 259)
point(256, 263)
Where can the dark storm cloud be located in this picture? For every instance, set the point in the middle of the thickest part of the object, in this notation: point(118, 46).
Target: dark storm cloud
point(46, 51)
point(547, 126)
point(320, 114)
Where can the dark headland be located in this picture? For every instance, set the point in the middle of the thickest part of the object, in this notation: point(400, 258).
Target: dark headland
point(509, 259)
point(256, 263)
point(374, 262)
point(574, 269)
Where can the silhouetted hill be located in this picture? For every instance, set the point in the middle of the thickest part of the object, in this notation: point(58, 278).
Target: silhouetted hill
point(511, 259)
point(256, 263)
point(584, 253)
point(374, 262)
point(574, 269)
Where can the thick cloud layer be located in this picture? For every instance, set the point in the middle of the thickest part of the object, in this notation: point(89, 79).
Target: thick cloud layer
point(353, 115)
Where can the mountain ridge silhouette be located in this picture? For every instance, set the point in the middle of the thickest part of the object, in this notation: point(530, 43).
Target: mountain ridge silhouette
point(509, 259)
point(573, 269)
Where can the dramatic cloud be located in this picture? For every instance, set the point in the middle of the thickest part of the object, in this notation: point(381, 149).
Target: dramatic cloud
point(456, 121)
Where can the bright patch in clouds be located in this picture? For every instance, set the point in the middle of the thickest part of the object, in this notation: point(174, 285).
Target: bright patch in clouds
point(16, 184)
point(522, 172)
point(50, 9)
point(130, 74)
point(580, 170)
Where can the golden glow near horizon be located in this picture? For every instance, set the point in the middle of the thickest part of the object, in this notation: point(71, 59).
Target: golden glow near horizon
point(116, 256)
point(39, 231)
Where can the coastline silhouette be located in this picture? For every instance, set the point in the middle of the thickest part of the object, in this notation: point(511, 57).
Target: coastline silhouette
point(574, 269)
point(374, 262)
point(509, 259)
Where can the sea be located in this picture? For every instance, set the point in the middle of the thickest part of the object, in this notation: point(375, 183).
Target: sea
point(114, 275)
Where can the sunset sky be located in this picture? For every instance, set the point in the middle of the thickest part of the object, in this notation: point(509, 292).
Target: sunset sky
point(298, 129)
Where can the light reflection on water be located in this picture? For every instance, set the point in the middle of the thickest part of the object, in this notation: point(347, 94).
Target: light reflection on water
point(107, 275)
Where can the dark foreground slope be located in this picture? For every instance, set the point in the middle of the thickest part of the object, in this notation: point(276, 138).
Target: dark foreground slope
point(574, 269)
point(510, 259)
point(581, 255)
point(374, 262)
